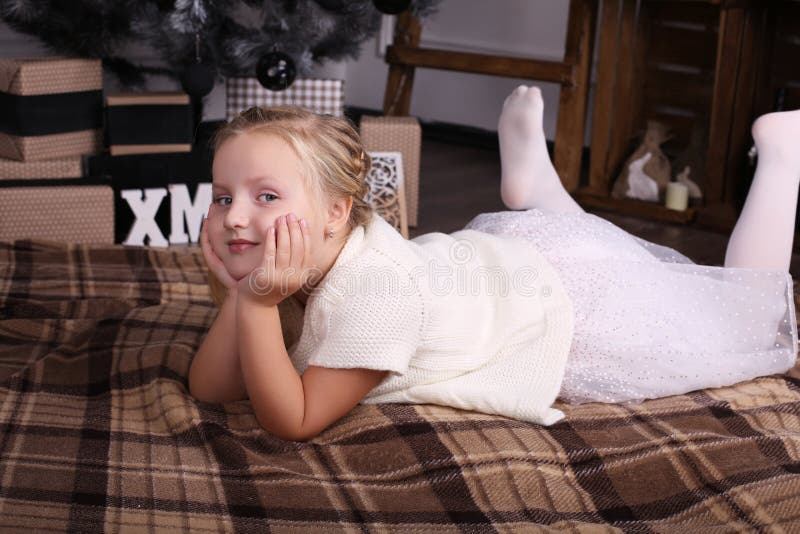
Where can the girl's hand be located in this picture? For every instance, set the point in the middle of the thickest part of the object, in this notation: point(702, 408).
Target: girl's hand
point(213, 262)
point(286, 265)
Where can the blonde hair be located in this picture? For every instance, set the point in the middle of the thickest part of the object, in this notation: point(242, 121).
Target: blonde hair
point(334, 161)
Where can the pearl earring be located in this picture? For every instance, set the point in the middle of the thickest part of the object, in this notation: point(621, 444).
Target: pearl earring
point(330, 233)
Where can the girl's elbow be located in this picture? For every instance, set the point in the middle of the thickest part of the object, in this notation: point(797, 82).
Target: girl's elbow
point(200, 393)
point(198, 387)
point(211, 393)
point(288, 431)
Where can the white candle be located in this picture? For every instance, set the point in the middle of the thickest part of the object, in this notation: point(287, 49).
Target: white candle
point(677, 197)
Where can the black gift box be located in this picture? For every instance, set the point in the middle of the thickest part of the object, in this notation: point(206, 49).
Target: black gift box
point(148, 123)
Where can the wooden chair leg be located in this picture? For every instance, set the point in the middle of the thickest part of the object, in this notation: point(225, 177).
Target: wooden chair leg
point(729, 50)
point(397, 98)
point(602, 118)
point(627, 90)
point(573, 99)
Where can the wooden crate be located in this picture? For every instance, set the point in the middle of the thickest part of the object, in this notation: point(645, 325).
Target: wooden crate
point(691, 65)
point(782, 76)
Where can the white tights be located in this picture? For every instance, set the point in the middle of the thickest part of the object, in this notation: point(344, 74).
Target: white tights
point(763, 235)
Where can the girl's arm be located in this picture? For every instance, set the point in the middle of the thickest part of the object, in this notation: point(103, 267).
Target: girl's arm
point(286, 404)
point(215, 374)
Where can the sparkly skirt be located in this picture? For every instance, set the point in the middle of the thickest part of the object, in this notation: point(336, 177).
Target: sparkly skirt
point(648, 321)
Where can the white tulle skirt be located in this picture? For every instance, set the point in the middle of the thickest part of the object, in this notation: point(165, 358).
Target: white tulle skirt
point(648, 321)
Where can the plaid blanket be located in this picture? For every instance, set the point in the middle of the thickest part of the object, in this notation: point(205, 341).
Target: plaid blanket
point(98, 432)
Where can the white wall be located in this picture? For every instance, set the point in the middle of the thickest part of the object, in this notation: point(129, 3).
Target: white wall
point(527, 28)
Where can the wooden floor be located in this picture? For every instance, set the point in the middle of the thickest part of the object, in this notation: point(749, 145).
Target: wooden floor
point(458, 182)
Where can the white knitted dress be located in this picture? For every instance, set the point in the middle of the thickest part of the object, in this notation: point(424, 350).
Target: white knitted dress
point(468, 320)
point(648, 321)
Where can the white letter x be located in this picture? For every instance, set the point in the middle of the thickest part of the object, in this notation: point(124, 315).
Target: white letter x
point(145, 213)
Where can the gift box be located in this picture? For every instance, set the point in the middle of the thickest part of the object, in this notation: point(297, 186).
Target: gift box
point(317, 95)
point(77, 210)
point(402, 134)
point(50, 107)
point(386, 192)
point(148, 123)
point(71, 167)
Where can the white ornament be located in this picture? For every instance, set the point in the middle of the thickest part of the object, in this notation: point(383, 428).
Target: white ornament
point(683, 178)
point(640, 185)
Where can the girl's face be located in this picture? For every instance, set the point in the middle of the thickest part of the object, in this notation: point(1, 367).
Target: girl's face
point(257, 177)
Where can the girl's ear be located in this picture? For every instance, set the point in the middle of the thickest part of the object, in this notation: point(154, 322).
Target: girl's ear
point(339, 212)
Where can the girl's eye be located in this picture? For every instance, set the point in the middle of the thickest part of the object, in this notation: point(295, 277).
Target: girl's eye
point(267, 197)
point(222, 201)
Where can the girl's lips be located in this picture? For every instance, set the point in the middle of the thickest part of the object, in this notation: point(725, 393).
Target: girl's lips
point(237, 247)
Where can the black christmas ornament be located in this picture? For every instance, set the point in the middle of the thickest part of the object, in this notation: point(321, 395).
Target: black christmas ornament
point(198, 80)
point(276, 71)
point(391, 7)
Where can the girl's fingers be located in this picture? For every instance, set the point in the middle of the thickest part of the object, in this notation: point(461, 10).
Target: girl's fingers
point(283, 252)
point(296, 243)
point(262, 278)
point(306, 233)
point(270, 247)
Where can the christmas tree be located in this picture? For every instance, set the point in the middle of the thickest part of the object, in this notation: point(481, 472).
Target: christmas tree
point(199, 40)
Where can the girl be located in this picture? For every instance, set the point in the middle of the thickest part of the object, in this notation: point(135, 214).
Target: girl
point(323, 305)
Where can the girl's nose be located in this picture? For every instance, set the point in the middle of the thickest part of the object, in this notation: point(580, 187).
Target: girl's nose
point(236, 216)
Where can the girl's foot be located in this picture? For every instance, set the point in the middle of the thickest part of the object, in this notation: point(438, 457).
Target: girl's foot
point(763, 235)
point(528, 177)
point(777, 139)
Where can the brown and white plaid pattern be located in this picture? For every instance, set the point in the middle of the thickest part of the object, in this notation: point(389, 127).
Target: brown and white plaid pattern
point(98, 433)
point(318, 95)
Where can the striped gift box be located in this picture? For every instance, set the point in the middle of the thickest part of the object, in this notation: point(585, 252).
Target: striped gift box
point(317, 95)
point(50, 107)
